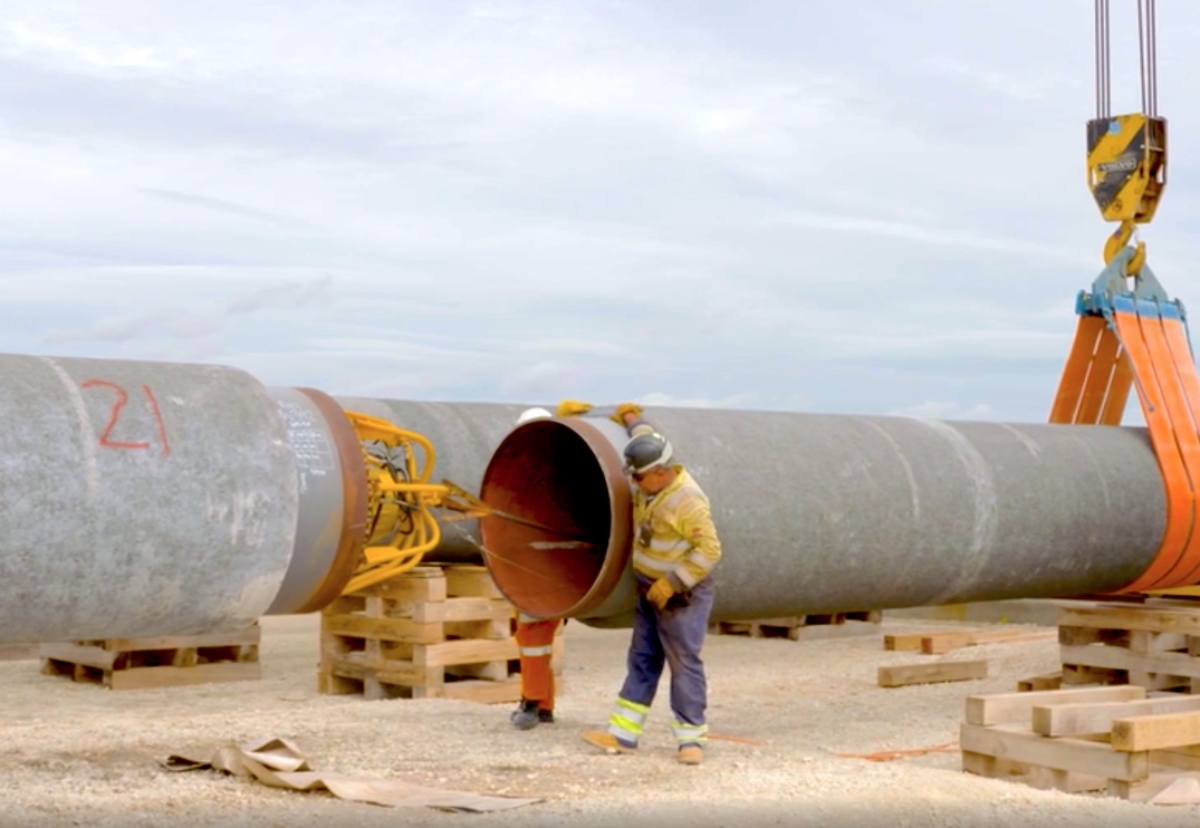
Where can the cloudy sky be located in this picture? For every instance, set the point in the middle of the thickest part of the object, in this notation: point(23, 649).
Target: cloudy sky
point(870, 207)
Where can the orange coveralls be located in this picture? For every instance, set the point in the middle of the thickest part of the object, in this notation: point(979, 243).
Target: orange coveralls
point(535, 641)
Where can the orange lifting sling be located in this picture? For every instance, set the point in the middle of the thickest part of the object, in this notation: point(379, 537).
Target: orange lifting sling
point(1140, 336)
point(1137, 335)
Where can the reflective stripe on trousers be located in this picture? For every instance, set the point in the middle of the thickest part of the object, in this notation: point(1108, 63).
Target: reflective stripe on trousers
point(535, 644)
point(673, 637)
point(686, 734)
point(627, 720)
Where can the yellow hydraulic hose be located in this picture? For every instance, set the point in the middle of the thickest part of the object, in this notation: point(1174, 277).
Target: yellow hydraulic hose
point(401, 526)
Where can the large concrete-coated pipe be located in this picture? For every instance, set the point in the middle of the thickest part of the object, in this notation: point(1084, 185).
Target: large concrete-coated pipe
point(824, 513)
point(463, 435)
point(144, 499)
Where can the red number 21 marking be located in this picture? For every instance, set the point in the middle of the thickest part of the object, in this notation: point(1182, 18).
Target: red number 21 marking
point(119, 404)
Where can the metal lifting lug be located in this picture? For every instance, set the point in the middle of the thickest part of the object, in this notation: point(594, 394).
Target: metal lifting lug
point(1113, 282)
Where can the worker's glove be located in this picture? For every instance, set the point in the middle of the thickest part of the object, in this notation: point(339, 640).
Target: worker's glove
point(660, 592)
point(573, 408)
point(618, 416)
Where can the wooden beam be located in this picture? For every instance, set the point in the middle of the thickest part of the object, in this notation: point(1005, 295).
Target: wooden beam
point(387, 629)
point(1114, 617)
point(1003, 708)
point(248, 635)
point(909, 641)
point(1085, 718)
point(1166, 730)
point(901, 675)
point(465, 651)
point(466, 580)
point(945, 642)
point(1046, 681)
point(88, 655)
point(1119, 658)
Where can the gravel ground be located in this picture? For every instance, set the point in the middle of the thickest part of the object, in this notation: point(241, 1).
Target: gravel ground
point(77, 754)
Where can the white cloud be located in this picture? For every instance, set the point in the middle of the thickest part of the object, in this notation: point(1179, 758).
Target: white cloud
point(534, 200)
point(55, 44)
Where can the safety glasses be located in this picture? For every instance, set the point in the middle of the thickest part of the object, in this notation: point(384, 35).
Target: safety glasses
point(638, 477)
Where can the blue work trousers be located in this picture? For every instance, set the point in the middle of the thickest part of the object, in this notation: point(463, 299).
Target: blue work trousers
point(674, 637)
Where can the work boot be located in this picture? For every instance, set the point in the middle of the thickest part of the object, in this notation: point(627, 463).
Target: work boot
point(526, 716)
point(691, 754)
point(545, 716)
point(608, 742)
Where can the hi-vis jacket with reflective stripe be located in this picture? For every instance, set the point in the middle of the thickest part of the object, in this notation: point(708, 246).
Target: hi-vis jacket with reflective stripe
point(674, 533)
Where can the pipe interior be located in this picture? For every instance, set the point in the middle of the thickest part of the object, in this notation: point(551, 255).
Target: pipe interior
point(546, 473)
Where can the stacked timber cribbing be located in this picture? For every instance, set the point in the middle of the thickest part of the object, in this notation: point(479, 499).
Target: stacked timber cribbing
point(434, 631)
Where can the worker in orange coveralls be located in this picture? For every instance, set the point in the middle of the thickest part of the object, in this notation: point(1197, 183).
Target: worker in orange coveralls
point(535, 642)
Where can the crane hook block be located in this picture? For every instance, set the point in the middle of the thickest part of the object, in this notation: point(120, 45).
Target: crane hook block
point(1127, 165)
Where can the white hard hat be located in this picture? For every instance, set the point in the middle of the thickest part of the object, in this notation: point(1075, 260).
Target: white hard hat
point(533, 414)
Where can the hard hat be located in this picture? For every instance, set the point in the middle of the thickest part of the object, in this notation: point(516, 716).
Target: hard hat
point(533, 414)
point(646, 451)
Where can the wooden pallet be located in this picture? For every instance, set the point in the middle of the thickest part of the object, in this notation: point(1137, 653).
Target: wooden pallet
point(140, 663)
point(1155, 645)
point(803, 627)
point(432, 632)
point(1121, 740)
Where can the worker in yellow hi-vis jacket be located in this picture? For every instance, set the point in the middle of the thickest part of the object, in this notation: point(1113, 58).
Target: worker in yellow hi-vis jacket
point(675, 550)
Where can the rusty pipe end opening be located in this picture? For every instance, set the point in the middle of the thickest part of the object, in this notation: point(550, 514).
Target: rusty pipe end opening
point(566, 477)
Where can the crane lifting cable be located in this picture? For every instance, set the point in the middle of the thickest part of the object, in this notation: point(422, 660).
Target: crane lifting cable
point(1130, 332)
